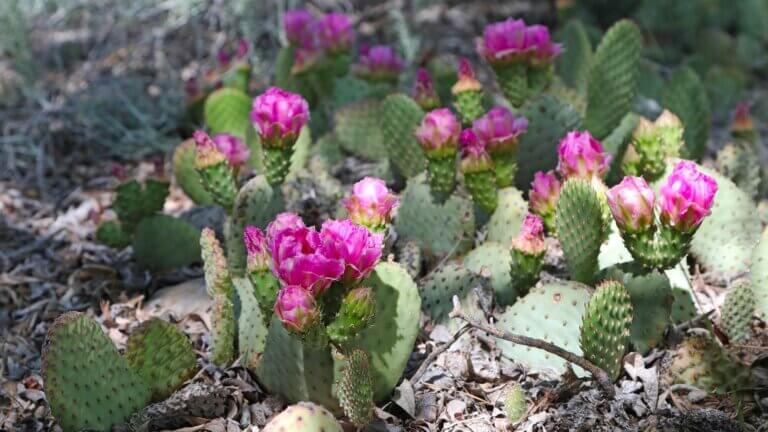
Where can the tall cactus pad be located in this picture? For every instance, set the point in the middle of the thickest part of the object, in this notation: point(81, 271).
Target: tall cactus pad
point(482, 186)
point(505, 222)
point(135, 202)
point(438, 288)
point(399, 115)
point(552, 312)
point(162, 355)
point(217, 280)
point(162, 242)
point(223, 331)
point(605, 328)
point(737, 311)
point(758, 274)
point(187, 176)
point(298, 372)
point(355, 388)
point(358, 131)
point(87, 383)
point(741, 163)
point(574, 64)
point(513, 80)
point(580, 228)
point(613, 78)
point(227, 110)
point(549, 119)
point(441, 175)
point(494, 259)
point(686, 97)
point(251, 324)
point(439, 229)
point(304, 417)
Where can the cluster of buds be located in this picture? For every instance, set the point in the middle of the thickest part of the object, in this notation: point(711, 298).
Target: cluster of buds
point(520, 55)
point(652, 144)
point(313, 38)
point(278, 116)
point(500, 130)
point(424, 91)
point(477, 167)
point(528, 250)
point(379, 63)
point(685, 199)
point(438, 135)
point(468, 93)
point(371, 204)
point(217, 162)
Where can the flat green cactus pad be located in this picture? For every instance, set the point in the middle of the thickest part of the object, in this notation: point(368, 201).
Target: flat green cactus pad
point(135, 201)
point(552, 312)
point(438, 288)
point(112, 234)
point(162, 355)
point(357, 127)
point(686, 96)
point(87, 383)
point(605, 327)
point(758, 273)
point(227, 110)
point(616, 143)
point(738, 308)
point(251, 329)
point(399, 116)
point(223, 333)
point(505, 222)
point(495, 259)
point(187, 176)
point(580, 228)
point(163, 242)
point(574, 64)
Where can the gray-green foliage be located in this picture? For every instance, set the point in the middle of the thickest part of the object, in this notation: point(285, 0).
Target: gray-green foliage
point(758, 273)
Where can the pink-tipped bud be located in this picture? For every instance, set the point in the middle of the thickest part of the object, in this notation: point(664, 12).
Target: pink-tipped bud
point(279, 116)
point(335, 32)
point(207, 153)
point(467, 80)
point(474, 156)
point(353, 244)
point(256, 249)
point(296, 308)
point(360, 304)
point(380, 63)
point(243, 47)
point(545, 191)
point(582, 156)
point(631, 203)
point(371, 203)
point(233, 148)
point(500, 129)
point(297, 24)
point(439, 131)
point(686, 198)
point(742, 122)
point(530, 240)
point(424, 91)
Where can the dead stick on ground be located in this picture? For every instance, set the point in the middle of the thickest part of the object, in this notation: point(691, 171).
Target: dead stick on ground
point(605, 382)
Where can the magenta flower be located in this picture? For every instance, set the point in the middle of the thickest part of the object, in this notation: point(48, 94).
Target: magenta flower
point(466, 78)
point(335, 32)
point(582, 156)
point(233, 148)
point(504, 41)
point(530, 240)
point(371, 203)
point(380, 63)
point(207, 153)
point(279, 116)
point(545, 191)
point(297, 24)
point(296, 308)
point(500, 129)
point(471, 146)
point(686, 197)
point(439, 130)
point(225, 56)
point(631, 203)
point(540, 44)
point(424, 91)
point(355, 245)
point(282, 221)
point(296, 260)
point(256, 249)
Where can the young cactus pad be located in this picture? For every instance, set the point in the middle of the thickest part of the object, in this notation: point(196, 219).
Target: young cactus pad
point(438, 288)
point(506, 220)
point(304, 417)
point(737, 311)
point(135, 202)
point(227, 110)
point(187, 176)
point(355, 388)
point(162, 355)
point(495, 259)
point(87, 383)
point(162, 242)
point(399, 115)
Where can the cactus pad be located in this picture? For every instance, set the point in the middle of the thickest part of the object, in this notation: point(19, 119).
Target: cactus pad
point(652, 300)
point(495, 259)
point(223, 331)
point(187, 176)
point(112, 234)
point(686, 97)
point(409, 257)
point(701, 361)
point(135, 202)
point(552, 312)
point(399, 115)
point(515, 404)
point(683, 308)
point(358, 131)
point(737, 311)
point(87, 383)
point(251, 325)
point(605, 327)
point(163, 242)
point(162, 355)
point(304, 417)
point(613, 78)
point(438, 288)
point(506, 221)
point(355, 388)
point(741, 163)
point(227, 110)
point(574, 64)
point(616, 143)
point(758, 274)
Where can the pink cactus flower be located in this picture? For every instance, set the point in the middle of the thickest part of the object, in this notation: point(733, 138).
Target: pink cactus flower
point(466, 78)
point(582, 156)
point(256, 249)
point(542, 48)
point(530, 240)
point(243, 47)
point(207, 153)
point(314, 272)
point(439, 130)
point(380, 62)
point(500, 129)
point(296, 308)
point(282, 221)
point(233, 148)
point(424, 91)
point(545, 191)
point(355, 245)
point(686, 198)
point(631, 203)
point(471, 146)
point(297, 24)
point(279, 116)
point(371, 203)
point(335, 32)
point(511, 41)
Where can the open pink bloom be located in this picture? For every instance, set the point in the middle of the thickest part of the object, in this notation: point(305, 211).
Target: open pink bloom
point(256, 249)
point(380, 62)
point(282, 221)
point(424, 90)
point(371, 203)
point(233, 148)
point(297, 24)
point(631, 203)
point(540, 44)
point(279, 115)
point(500, 129)
point(582, 156)
point(355, 245)
point(530, 240)
point(545, 191)
point(439, 130)
point(296, 260)
point(471, 146)
point(335, 32)
point(686, 197)
point(288, 243)
point(504, 41)
point(296, 308)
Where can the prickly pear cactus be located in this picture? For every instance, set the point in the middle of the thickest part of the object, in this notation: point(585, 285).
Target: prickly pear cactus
point(410, 257)
point(135, 202)
point(299, 372)
point(506, 220)
point(495, 260)
point(605, 327)
point(580, 228)
point(686, 97)
point(683, 307)
point(399, 115)
point(304, 417)
point(358, 131)
point(741, 163)
point(515, 404)
point(616, 144)
point(87, 383)
point(187, 176)
point(613, 78)
point(227, 110)
point(737, 311)
point(439, 229)
point(549, 119)
point(552, 312)
point(574, 64)
point(758, 274)
point(251, 325)
point(702, 362)
point(220, 287)
point(112, 234)
point(438, 288)
point(163, 242)
point(355, 388)
point(162, 355)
